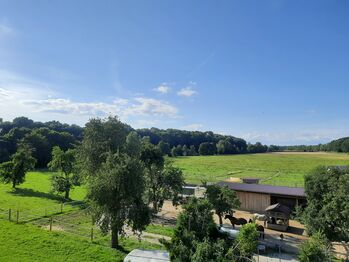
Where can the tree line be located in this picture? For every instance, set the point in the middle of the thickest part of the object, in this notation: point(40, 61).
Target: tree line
point(340, 145)
point(43, 137)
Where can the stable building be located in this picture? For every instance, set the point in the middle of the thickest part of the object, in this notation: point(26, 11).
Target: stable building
point(256, 197)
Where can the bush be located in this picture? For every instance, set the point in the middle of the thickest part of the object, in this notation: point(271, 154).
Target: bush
point(315, 249)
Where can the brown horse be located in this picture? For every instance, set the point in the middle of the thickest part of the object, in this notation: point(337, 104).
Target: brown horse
point(236, 221)
point(260, 229)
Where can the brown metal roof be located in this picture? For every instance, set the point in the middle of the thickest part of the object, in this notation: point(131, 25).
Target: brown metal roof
point(265, 189)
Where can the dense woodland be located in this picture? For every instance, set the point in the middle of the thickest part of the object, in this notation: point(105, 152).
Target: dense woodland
point(42, 137)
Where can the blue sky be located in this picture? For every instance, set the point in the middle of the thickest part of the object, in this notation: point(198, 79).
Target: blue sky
point(270, 71)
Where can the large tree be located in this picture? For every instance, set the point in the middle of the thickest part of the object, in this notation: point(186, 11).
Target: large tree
point(14, 171)
point(109, 158)
point(223, 200)
point(116, 196)
point(327, 190)
point(163, 180)
point(194, 225)
point(67, 176)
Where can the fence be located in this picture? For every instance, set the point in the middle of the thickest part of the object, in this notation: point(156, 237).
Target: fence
point(70, 217)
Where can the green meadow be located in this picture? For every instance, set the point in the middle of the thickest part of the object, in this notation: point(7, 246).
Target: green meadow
point(32, 241)
point(286, 169)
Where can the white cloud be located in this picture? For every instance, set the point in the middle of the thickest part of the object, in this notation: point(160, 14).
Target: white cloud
point(193, 127)
point(294, 138)
point(187, 91)
point(6, 30)
point(163, 89)
point(23, 96)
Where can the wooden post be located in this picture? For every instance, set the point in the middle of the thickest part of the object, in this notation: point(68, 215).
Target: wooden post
point(51, 220)
point(91, 234)
point(9, 214)
point(17, 218)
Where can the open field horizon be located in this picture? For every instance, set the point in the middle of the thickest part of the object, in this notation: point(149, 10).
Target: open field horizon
point(283, 169)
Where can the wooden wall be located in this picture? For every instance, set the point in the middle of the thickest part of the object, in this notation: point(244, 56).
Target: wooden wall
point(253, 202)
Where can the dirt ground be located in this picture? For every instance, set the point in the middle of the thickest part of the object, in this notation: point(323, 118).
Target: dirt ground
point(296, 229)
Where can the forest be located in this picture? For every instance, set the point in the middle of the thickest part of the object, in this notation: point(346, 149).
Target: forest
point(42, 137)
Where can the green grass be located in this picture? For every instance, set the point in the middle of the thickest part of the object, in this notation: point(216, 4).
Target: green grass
point(160, 230)
point(286, 169)
point(33, 242)
point(29, 243)
point(34, 193)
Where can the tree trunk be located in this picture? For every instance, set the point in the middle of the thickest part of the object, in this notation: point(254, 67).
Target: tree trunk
point(220, 219)
point(155, 206)
point(114, 237)
point(67, 194)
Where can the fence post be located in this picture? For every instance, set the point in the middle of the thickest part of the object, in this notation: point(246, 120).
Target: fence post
point(9, 214)
point(51, 220)
point(91, 234)
point(17, 218)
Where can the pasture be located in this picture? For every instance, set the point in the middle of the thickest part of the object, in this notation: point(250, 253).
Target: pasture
point(70, 237)
point(284, 169)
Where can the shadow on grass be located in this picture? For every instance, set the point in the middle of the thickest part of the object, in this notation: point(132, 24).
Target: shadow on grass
point(26, 192)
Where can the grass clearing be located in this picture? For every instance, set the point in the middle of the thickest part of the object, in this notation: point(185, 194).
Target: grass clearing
point(29, 243)
point(34, 193)
point(286, 169)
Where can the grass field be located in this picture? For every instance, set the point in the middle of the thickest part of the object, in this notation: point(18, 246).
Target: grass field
point(34, 193)
point(286, 169)
point(70, 238)
point(28, 243)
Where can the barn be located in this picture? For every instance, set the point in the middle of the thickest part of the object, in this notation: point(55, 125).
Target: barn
point(256, 197)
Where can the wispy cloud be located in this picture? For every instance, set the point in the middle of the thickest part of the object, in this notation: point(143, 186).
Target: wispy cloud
point(296, 137)
point(163, 88)
point(193, 127)
point(6, 30)
point(187, 91)
point(24, 96)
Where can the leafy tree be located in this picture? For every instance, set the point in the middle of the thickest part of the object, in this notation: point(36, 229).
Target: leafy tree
point(164, 148)
point(64, 163)
point(177, 151)
point(222, 199)
point(212, 251)
point(192, 151)
point(327, 210)
point(247, 240)
point(40, 146)
point(116, 196)
point(115, 178)
point(207, 148)
point(194, 225)
point(185, 150)
point(100, 138)
point(315, 249)
point(14, 170)
point(163, 180)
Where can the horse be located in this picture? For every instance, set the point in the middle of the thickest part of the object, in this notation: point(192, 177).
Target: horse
point(260, 229)
point(236, 221)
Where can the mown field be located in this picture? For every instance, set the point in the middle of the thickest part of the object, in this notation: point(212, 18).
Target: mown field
point(287, 169)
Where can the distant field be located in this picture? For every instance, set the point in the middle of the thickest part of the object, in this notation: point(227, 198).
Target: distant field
point(34, 193)
point(286, 168)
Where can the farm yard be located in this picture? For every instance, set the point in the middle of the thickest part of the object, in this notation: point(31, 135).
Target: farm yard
point(39, 211)
point(282, 169)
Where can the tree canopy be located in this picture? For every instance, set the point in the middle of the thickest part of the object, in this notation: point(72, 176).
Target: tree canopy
point(14, 171)
point(327, 190)
point(223, 200)
point(67, 177)
point(109, 158)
